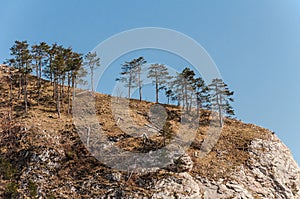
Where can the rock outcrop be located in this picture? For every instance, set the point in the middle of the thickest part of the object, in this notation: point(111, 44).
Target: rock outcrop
point(270, 173)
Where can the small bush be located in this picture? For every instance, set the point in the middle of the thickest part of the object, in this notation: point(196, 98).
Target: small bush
point(32, 188)
point(167, 132)
point(11, 190)
point(7, 171)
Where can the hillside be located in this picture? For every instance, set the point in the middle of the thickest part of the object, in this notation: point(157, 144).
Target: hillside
point(43, 156)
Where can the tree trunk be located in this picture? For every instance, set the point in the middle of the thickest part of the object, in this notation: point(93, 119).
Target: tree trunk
point(37, 78)
point(156, 92)
point(92, 79)
point(53, 84)
point(128, 92)
point(57, 97)
point(140, 91)
point(191, 102)
point(10, 101)
point(140, 84)
point(36, 70)
point(198, 102)
point(220, 112)
point(58, 105)
point(63, 79)
point(62, 95)
point(182, 97)
point(186, 96)
point(73, 87)
point(25, 93)
point(156, 88)
point(39, 73)
point(129, 86)
point(20, 85)
point(69, 100)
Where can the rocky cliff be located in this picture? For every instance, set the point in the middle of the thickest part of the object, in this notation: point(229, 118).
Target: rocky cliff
point(43, 156)
point(270, 173)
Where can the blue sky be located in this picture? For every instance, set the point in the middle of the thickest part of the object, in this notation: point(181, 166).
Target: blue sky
point(255, 44)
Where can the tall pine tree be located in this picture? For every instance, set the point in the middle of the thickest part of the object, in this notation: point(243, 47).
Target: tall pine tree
point(201, 92)
point(128, 76)
point(139, 62)
point(92, 61)
point(22, 61)
point(40, 57)
point(160, 75)
point(182, 87)
point(220, 98)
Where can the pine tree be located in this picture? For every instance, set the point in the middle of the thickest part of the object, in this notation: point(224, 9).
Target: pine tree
point(128, 76)
point(201, 92)
point(22, 61)
point(177, 89)
point(138, 69)
point(39, 56)
point(92, 61)
point(169, 94)
point(182, 87)
point(131, 75)
point(220, 98)
point(49, 70)
point(188, 81)
point(76, 73)
point(54, 62)
point(160, 75)
point(58, 67)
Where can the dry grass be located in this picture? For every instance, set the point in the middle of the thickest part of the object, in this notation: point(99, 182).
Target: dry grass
point(42, 128)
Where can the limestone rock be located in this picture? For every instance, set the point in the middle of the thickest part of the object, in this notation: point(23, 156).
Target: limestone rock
point(270, 173)
point(183, 164)
point(178, 186)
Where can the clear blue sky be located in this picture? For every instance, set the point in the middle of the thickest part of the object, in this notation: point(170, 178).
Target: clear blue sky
point(255, 44)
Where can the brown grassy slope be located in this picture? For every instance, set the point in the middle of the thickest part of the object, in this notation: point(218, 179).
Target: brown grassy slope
point(41, 128)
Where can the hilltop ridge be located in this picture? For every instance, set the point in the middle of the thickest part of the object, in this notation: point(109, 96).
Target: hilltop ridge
point(43, 156)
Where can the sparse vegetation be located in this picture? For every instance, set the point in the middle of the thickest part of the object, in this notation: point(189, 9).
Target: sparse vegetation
point(32, 188)
point(64, 67)
point(25, 136)
point(9, 174)
point(11, 190)
point(7, 170)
